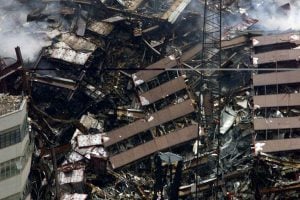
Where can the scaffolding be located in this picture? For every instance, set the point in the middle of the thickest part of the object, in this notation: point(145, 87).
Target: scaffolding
point(209, 116)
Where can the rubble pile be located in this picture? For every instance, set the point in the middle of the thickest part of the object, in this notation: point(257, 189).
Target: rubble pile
point(105, 59)
point(121, 107)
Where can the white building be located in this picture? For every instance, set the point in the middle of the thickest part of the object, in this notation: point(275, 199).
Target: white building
point(15, 148)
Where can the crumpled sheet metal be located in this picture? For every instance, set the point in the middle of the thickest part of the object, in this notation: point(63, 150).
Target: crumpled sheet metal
point(90, 122)
point(101, 28)
point(176, 9)
point(78, 43)
point(72, 49)
point(91, 140)
point(73, 157)
point(79, 154)
point(75, 176)
point(74, 196)
point(228, 116)
point(62, 51)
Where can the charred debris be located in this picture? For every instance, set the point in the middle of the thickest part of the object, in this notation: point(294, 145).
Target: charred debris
point(116, 95)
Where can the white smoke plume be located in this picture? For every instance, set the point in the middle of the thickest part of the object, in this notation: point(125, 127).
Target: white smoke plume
point(272, 17)
point(16, 31)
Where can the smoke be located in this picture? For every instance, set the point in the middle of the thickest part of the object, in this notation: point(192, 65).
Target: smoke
point(272, 17)
point(16, 31)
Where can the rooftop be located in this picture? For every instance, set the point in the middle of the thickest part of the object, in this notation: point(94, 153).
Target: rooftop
point(9, 103)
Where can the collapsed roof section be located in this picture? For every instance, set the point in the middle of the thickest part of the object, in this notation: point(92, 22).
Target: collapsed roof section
point(155, 69)
point(71, 49)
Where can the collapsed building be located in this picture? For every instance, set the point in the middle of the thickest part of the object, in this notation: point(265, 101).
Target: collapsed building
point(122, 105)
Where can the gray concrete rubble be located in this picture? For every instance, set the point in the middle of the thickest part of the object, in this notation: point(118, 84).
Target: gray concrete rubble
point(125, 101)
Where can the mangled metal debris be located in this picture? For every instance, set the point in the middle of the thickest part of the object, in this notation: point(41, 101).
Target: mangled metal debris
point(75, 176)
point(72, 49)
point(91, 140)
point(74, 196)
point(227, 119)
point(62, 51)
point(119, 83)
point(101, 28)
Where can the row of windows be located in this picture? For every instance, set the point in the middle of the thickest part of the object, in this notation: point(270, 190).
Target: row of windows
point(159, 80)
point(158, 131)
point(13, 135)
point(14, 166)
point(10, 168)
point(277, 89)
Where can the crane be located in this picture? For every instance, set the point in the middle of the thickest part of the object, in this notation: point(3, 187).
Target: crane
point(209, 115)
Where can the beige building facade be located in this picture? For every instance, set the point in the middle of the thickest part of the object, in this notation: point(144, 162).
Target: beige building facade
point(15, 148)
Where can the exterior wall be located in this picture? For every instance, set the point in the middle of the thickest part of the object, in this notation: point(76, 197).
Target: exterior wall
point(15, 184)
point(162, 91)
point(162, 116)
point(12, 187)
point(271, 98)
point(14, 118)
point(13, 151)
point(157, 144)
point(269, 146)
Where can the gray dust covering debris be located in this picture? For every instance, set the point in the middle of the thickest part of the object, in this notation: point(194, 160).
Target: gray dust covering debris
point(9, 103)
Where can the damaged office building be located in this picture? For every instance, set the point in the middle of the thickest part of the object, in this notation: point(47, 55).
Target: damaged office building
point(157, 99)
